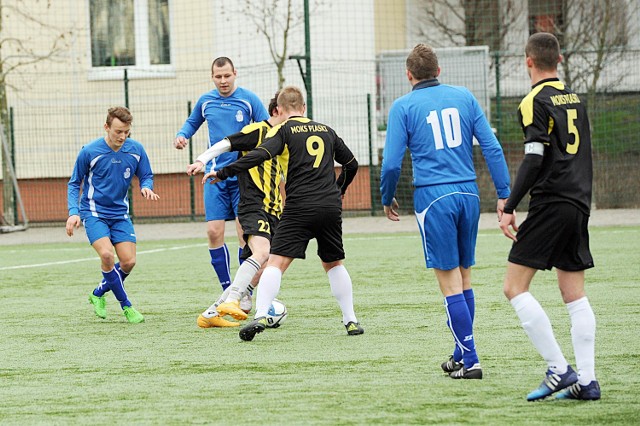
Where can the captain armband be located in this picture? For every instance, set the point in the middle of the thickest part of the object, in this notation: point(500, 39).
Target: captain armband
point(536, 148)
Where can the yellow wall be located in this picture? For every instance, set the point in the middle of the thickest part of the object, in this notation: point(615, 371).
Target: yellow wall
point(390, 24)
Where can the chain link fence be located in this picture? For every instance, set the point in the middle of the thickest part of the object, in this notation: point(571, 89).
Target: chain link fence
point(73, 63)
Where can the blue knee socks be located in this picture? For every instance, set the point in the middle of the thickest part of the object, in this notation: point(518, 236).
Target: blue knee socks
point(461, 325)
point(220, 263)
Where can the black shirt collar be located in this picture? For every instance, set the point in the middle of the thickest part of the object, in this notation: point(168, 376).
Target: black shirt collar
point(426, 83)
point(546, 80)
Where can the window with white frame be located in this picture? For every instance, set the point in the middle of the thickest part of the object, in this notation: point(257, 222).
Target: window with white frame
point(130, 33)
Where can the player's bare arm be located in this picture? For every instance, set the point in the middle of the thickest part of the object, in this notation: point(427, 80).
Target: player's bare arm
point(73, 222)
point(180, 142)
point(500, 207)
point(149, 194)
point(392, 211)
point(195, 168)
point(508, 220)
point(213, 175)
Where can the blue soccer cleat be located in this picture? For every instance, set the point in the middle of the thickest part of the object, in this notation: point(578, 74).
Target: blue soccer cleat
point(553, 383)
point(590, 392)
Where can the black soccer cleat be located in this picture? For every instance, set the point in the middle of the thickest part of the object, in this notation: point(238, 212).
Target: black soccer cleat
point(249, 331)
point(473, 372)
point(451, 365)
point(354, 328)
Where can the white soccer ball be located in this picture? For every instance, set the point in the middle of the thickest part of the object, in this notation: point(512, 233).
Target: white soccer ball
point(277, 314)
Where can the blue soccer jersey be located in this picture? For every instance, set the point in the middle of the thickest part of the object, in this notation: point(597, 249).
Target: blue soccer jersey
point(437, 122)
point(105, 176)
point(224, 116)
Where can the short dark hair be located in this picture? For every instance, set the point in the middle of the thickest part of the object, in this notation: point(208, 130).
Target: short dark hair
point(221, 62)
point(544, 50)
point(273, 104)
point(121, 113)
point(422, 62)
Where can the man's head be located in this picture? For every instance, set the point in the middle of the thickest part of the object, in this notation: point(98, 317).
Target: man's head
point(273, 105)
point(291, 101)
point(275, 112)
point(118, 126)
point(223, 74)
point(543, 52)
point(422, 64)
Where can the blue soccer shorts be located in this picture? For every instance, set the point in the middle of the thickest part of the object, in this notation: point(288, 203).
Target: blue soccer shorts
point(448, 216)
point(221, 200)
point(117, 230)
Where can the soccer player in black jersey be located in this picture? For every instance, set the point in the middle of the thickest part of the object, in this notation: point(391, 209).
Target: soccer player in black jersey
point(557, 173)
point(313, 208)
point(259, 211)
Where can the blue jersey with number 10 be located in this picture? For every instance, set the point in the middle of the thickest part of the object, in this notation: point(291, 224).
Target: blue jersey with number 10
point(438, 122)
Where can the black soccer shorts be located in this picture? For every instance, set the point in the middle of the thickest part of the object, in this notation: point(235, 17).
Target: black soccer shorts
point(299, 225)
point(553, 235)
point(256, 222)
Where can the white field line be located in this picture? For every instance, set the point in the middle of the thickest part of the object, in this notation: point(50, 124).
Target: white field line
point(158, 250)
point(84, 259)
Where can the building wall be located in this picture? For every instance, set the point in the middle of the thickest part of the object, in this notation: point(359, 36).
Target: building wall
point(46, 201)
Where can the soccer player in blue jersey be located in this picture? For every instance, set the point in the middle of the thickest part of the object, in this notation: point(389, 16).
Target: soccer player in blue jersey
point(104, 170)
point(557, 171)
point(437, 123)
point(226, 109)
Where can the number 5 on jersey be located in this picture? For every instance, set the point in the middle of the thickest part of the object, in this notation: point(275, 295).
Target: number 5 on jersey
point(572, 115)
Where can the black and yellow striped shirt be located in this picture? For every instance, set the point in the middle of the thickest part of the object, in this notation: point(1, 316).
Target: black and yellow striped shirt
point(260, 185)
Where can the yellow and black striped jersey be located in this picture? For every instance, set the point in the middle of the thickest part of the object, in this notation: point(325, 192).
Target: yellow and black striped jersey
point(260, 185)
point(555, 116)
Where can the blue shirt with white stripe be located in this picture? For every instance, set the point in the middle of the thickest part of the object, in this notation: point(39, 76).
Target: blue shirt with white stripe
point(224, 116)
point(105, 176)
point(438, 122)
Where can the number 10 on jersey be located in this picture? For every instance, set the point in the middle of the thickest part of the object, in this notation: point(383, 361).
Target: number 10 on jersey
point(450, 124)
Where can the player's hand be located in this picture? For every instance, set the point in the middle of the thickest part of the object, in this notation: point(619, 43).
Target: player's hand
point(500, 207)
point(180, 142)
point(392, 211)
point(195, 168)
point(73, 222)
point(213, 175)
point(508, 220)
point(149, 194)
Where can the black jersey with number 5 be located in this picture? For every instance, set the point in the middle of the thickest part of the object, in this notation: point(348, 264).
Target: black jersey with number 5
point(555, 116)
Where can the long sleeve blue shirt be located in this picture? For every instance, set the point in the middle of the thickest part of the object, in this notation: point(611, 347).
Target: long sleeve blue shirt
point(105, 176)
point(437, 123)
point(224, 116)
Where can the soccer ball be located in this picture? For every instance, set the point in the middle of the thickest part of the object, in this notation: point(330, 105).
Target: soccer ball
point(277, 314)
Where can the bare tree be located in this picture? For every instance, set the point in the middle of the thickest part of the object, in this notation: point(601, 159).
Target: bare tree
point(469, 22)
point(274, 20)
point(595, 37)
point(18, 51)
